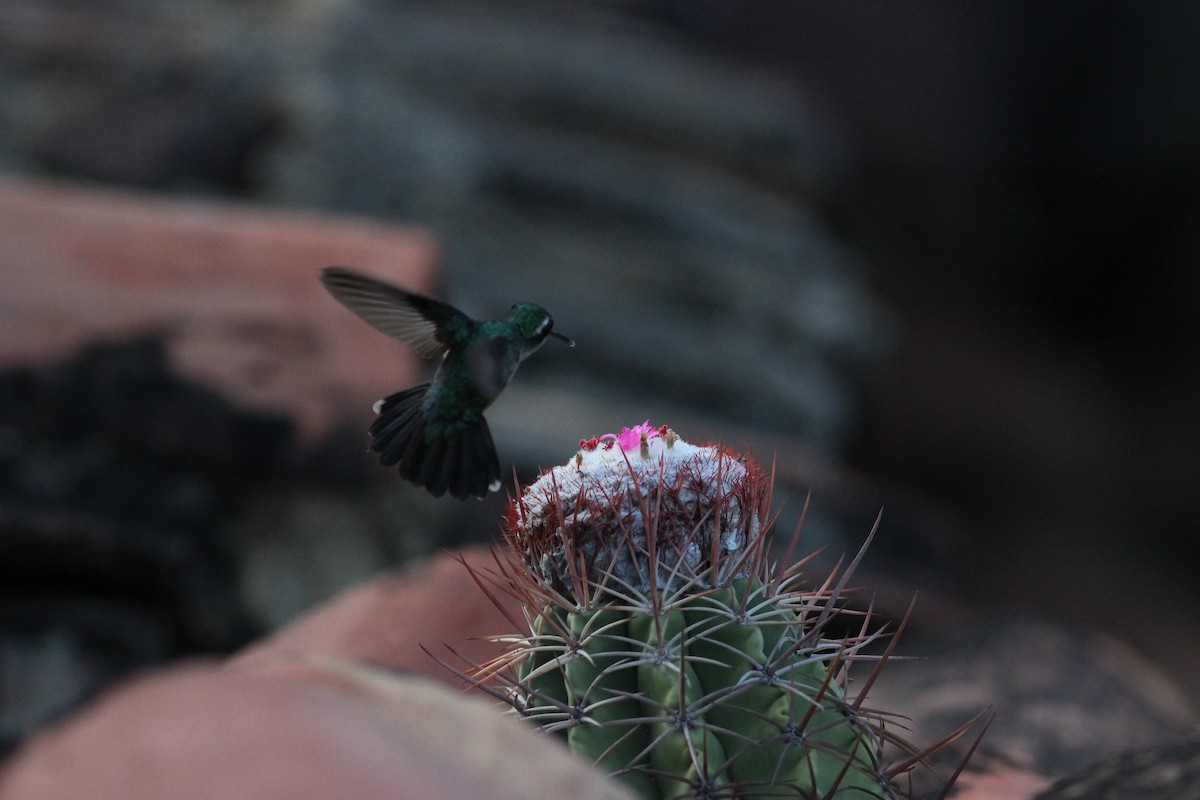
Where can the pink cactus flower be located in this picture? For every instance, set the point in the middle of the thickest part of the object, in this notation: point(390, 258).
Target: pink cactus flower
point(630, 438)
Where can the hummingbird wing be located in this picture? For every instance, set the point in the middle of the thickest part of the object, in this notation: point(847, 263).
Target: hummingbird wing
point(429, 326)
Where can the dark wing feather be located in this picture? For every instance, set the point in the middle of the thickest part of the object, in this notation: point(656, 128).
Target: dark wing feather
point(412, 318)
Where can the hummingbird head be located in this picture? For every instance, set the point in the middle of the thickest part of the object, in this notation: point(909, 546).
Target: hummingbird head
point(534, 323)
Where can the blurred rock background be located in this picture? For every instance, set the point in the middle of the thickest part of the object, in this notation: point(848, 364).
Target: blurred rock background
point(941, 260)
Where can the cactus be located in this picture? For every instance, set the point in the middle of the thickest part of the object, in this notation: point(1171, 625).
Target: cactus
point(662, 644)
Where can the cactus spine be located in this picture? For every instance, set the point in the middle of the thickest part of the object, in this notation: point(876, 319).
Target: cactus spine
point(663, 645)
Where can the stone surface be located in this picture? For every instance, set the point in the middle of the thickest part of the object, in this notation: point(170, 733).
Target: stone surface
point(293, 729)
point(144, 397)
point(682, 271)
point(996, 779)
point(433, 604)
point(1063, 698)
point(657, 198)
point(1169, 771)
point(229, 288)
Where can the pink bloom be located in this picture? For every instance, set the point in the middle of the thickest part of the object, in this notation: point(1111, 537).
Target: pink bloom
point(630, 438)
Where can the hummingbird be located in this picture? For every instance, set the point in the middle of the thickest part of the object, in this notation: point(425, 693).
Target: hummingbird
point(435, 432)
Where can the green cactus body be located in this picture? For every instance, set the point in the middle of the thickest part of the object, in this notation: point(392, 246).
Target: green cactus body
point(663, 648)
point(722, 705)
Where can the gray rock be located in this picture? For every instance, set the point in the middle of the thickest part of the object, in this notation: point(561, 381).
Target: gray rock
point(1063, 697)
point(654, 197)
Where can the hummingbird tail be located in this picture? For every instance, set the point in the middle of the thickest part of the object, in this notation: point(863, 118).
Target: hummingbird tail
point(464, 462)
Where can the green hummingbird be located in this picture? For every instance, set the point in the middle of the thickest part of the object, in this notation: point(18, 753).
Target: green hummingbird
point(435, 432)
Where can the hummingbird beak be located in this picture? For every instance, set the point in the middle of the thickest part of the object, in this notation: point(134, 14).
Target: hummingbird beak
point(569, 342)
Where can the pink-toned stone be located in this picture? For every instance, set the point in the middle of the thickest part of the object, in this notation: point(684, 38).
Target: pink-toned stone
point(300, 716)
point(386, 620)
point(233, 288)
point(996, 780)
point(294, 731)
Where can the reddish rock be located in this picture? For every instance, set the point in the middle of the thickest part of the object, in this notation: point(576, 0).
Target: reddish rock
point(386, 621)
point(233, 289)
point(993, 779)
point(299, 730)
point(300, 716)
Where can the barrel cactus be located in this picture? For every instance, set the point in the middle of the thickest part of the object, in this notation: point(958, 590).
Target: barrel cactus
point(664, 646)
